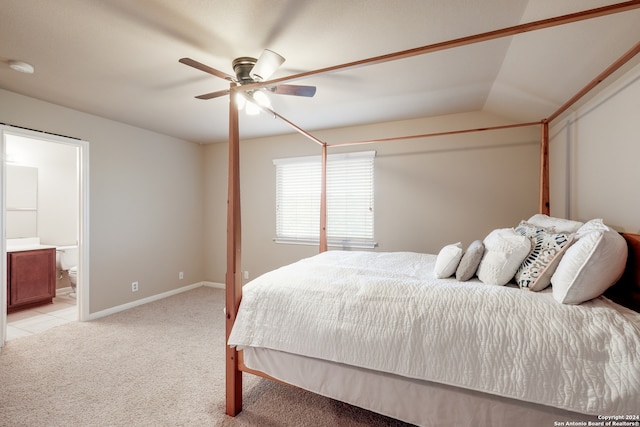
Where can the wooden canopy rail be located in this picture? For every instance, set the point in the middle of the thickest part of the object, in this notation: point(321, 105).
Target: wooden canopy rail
point(233, 280)
point(430, 135)
point(595, 82)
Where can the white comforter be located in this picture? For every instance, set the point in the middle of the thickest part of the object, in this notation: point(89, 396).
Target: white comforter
point(388, 312)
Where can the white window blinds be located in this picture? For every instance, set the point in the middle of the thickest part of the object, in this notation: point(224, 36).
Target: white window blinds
point(350, 190)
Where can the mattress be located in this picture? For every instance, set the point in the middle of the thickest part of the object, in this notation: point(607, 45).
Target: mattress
point(388, 312)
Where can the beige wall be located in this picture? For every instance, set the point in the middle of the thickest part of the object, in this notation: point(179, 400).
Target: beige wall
point(594, 156)
point(429, 192)
point(146, 206)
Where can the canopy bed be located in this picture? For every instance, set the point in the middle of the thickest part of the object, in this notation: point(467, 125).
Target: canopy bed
point(374, 345)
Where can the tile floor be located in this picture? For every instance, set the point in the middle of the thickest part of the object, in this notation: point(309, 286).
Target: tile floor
point(39, 319)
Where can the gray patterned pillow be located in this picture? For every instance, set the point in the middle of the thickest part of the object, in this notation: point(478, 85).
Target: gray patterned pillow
point(470, 261)
point(546, 252)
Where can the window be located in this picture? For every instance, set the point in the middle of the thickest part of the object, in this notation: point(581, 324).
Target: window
point(349, 199)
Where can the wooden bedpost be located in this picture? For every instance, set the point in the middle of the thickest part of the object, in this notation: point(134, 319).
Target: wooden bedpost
point(323, 202)
point(233, 279)
point(544, 168)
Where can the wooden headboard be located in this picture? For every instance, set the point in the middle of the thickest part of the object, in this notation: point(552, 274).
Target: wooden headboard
point(627, 291)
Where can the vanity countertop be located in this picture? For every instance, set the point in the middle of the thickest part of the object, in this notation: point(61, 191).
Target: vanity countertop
point(20, 248)
point(26, 244)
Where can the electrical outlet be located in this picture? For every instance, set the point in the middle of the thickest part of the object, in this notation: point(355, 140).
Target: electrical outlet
point(245, 274)
point(134, 287)
point(181, 275)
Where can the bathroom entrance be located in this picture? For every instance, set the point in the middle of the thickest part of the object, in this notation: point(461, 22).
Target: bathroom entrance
point(45, 207)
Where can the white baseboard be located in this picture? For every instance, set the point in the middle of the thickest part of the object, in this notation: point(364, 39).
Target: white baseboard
point(152, 298)
point(213, 285)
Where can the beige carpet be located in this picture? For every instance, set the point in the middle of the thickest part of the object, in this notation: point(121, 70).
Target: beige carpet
point(161, 364)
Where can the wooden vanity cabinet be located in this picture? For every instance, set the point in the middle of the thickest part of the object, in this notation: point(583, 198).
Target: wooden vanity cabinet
point(31, 278)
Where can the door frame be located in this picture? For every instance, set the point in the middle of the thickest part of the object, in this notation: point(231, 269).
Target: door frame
point(83, 219)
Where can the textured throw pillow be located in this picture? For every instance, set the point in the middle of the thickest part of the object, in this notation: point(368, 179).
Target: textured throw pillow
point(546, 252)
point(555, 225)
point(470, 261)
point(504, 251)
point(591, 265)
point(448, 259)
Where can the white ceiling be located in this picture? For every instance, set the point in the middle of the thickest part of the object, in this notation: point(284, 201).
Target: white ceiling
point(118, 59)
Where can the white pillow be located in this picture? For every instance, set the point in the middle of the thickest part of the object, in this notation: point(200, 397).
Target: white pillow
point(591, 265)
point(448, 260)
point(504, 251)
point(555, 225)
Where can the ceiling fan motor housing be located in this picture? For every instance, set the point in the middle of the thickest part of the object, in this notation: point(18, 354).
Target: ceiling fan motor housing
point(242, 67)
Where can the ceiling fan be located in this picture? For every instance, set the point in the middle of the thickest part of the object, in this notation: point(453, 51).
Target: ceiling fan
point(251, 70)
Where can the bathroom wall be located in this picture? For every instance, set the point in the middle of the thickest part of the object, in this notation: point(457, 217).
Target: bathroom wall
point(21, 201)
point(57, 221)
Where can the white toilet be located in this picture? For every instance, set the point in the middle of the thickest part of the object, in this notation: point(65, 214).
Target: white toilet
point(67, 260)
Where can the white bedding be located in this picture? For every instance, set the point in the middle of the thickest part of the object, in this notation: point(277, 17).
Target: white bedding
point(388, 312)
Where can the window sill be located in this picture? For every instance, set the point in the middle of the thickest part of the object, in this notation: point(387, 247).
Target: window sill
point(331, 243)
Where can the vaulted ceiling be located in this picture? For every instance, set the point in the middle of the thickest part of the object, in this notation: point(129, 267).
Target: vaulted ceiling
point(118, 59)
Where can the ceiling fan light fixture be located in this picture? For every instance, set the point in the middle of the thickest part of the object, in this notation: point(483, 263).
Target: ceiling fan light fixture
point(266, 65)
point(252, 109)
point(251, 105)
point(241, 101)
point(262, 99)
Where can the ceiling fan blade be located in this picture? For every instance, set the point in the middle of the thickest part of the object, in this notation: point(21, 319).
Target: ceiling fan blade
point(200, 66)
point(295, 90)
point(215, 94)
point(266, 65)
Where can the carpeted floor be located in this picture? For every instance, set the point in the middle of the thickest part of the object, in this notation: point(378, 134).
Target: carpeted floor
point(160, 364)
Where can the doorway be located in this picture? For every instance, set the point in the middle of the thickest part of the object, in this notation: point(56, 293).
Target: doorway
point(78, 208)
